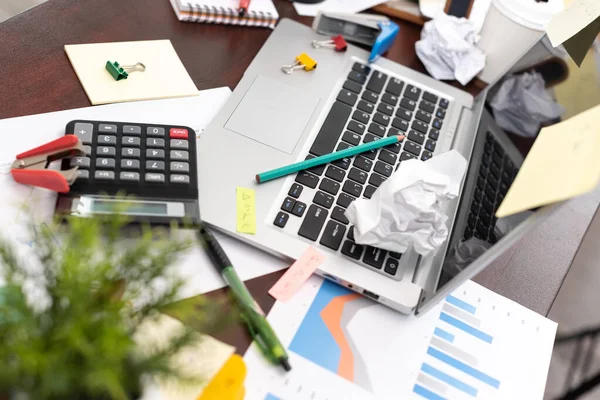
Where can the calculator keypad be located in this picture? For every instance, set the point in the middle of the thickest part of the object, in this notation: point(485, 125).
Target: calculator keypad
point(146, 160)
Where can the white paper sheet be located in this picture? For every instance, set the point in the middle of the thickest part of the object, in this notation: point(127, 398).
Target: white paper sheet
point(31, 131)
point(577, 15)
point(408, 210)
point(344, 346)
point(341, 6)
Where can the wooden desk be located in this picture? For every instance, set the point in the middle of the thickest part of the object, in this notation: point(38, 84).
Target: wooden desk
point(36, 77)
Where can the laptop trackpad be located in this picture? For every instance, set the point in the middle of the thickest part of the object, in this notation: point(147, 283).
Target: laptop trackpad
point(273, 113)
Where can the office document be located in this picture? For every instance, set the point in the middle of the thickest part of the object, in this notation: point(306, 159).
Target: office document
point(473, 345)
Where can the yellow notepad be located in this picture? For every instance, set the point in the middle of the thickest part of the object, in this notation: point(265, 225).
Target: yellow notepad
point(164, 77)
point(564, 162)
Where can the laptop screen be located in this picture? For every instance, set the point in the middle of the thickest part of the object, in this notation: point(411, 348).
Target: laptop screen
point(515, 110)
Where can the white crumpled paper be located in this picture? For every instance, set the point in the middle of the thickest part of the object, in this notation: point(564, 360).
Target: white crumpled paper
point(521, 104)
point(407, 210)
point(447, 48)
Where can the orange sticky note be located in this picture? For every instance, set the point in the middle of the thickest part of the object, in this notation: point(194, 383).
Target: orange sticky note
point(296, 275)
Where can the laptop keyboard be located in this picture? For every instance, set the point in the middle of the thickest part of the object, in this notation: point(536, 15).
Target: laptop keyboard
point(370, 106)
point(496, 175)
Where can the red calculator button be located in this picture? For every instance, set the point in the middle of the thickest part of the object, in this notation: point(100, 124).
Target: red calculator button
point(178, 133)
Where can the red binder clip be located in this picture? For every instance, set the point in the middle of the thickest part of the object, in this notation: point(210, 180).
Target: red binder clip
point(30, 168)
point(338, 43)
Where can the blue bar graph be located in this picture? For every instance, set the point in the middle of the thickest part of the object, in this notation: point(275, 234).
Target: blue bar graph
point(436, 373)
point(475, 373)
point(428, 394)
point(439, 332)
point(461, 304)
point(465, 327)
point(271, 397)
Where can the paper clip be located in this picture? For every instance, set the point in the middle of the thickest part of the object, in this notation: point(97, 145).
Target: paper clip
point(31, 167)
point(303, 61)
point(122, 72)
point(338, 43)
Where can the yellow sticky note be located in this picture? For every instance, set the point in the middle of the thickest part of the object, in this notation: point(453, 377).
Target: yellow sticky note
point(246, 210)
point(562, 163)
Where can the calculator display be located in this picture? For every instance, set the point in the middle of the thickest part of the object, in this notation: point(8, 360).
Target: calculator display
point(101, 206)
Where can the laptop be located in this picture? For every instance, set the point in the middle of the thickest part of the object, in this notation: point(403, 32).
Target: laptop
point(274, 119)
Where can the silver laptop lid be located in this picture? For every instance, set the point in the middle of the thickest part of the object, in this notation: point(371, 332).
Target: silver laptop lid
point(494, 162)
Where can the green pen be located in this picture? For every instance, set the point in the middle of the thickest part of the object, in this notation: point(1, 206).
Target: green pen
point(327, 158)
point(259, 328)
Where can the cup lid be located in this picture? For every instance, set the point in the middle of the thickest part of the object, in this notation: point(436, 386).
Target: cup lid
point(530, 13)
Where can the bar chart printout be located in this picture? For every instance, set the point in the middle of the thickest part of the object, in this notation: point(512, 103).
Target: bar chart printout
point(473, 345)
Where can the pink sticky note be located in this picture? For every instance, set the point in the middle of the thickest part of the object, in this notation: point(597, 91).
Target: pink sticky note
point(296, 275)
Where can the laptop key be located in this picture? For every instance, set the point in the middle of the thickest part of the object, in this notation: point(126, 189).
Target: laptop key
point(352, 249)
point(394, 86)
point(400, 124)
point(351, 233)
point(440, 113)
point(488, 204)
point(288, 204)
point(374, 257)
point(281, 219)
point(343, 163)
point(377, 129)
point(390, 99)
point(388, 157)
point(333, 235)
point(416, 137)
point(299, 209)
point(371, 154)
point(426, 155)
point(434, 134)
point(295, 190)
point(385, 109)
point(370, 138)
point(406, 156)
point(437, 123)
point(338, 215)
point(397, 256)
point(408, 104)
point(430, 97)
point(331, 130)
point(369, 191)
point(362, 68)
point(383, 168)
point(335, 173)
point(357, 175)
point(412, 92)
point(381, 119)
point(318, 170)
point(352, 86)
point(352, 138)
point(347, 97)
point(427, 107)
point(366, 107)
point(329, 186)
point(420, 126)
point(363, 163)
point(424, 116)
point(391, 266)
point(313, 222)
point(342, 146)
point(412, 148)
point(344, 200)
point(376, 179)
point(352, 188)
point(361, 116)
point(404, 114)
point(356, 127)
point(357, 77)
point(307, 179)
point(377, 81)
point(444, 103)
point(430, 145)
point(370, 97)
point(323, 199)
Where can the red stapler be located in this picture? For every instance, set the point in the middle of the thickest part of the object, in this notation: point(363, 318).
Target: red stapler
point(30, 167)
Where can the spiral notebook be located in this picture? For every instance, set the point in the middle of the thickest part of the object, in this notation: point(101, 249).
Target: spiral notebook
point(261, 13)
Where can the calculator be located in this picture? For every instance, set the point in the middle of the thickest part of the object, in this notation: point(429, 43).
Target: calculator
point(154, 166)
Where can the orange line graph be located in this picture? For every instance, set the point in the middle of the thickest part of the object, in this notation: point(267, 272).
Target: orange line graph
point(332, 316)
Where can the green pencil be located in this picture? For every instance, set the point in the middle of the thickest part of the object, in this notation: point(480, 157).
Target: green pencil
point(327, 158)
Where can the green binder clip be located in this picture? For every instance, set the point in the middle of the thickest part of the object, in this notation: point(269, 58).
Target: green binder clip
point(122, 72)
